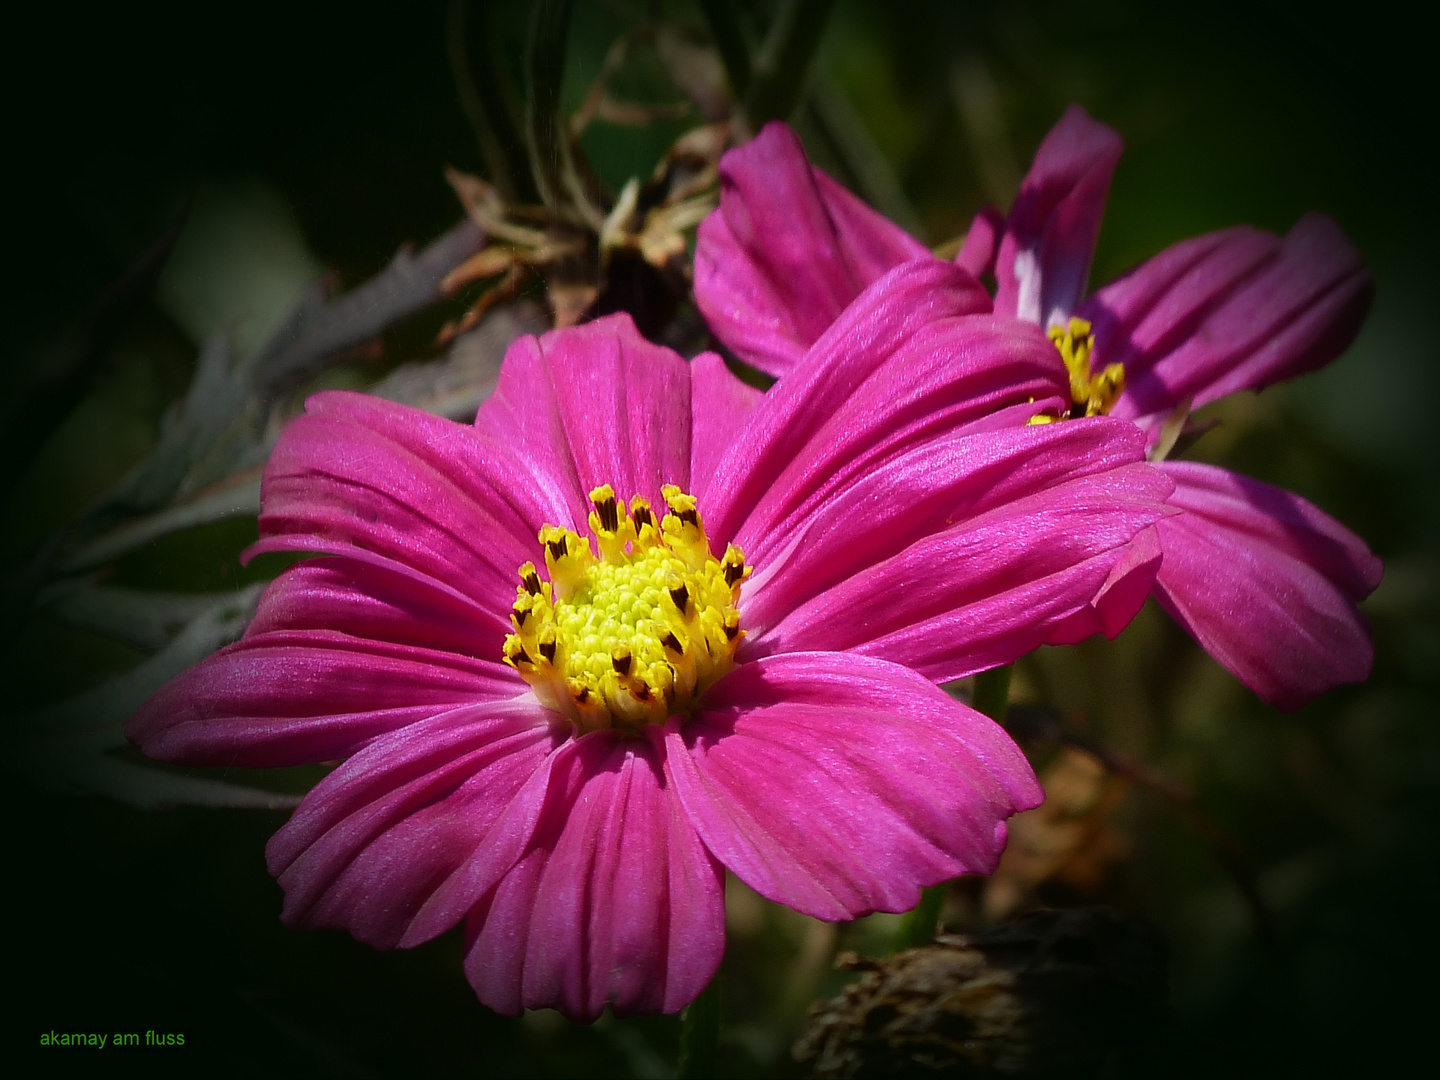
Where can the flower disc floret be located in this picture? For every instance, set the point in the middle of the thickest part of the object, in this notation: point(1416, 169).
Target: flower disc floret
point(1091, 393)
point(633, 635)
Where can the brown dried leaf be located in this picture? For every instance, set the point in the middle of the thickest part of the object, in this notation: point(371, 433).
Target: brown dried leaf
point(485, 207)
point(495, 259)
point(570, 301)
point(1065, 838)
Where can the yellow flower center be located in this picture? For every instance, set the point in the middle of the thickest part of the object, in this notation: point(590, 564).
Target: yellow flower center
point(634, 635)
point(1090, 394)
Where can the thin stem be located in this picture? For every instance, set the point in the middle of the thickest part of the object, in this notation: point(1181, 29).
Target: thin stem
point(729, 38)
point(547, 131)
point(863, 163)
point(481, 104)
point(699, 1034)
point(778, 76)
point(992, 692)
point(917, 928)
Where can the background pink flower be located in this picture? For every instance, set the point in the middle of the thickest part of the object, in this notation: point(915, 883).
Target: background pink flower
point(897, 537)
point(1264, 580)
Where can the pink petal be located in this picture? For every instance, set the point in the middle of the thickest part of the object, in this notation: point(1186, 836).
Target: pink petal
point(292, 697)
point(977, 253)
point(881, 325)
point(1141, 317)
point(483, 467)
point(615, 902)
point(1267, 582)
point(722, 404)
point(375, 602)
point(522, 414)
point(1050, 234)
point(372, 842)
point(954, 376)
point(840, 785)
point(397, 487)
point(936, 485)
point(1234, 310)
point(591, 405)
point(786, 251)
point(1120, 598)
point(987, 590)
point(868, 241)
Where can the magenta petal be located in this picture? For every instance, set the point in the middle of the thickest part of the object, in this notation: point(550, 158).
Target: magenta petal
point(977, 253)
point(883, 324)
point(786, 251)
point(379, 603)
point(840, 785)
point(1279, 519)
point(1267, 582)
point(938, 485)
point(372, 842)
point(1141, 317)
point(987, 590)
point(523, 415)
point(379, 482)
point(616, 901)
point(591, 405)
point(722, 404)
point(870, 243)
point(1234, 310)
point(952, 378)
point(292, 697)
point(1050, 234)
point(481, 467)
point(739, 303)
point(1128, 586)
point(1121, 595)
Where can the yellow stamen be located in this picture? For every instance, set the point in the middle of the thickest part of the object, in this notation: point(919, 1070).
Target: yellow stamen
point(1091, 394)
point(634, 635)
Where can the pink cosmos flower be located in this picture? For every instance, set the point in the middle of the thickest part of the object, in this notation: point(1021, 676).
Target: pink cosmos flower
point(1264, 580)
point(742, 679)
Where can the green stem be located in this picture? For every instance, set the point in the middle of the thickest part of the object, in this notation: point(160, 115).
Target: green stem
point(992, 692)
point(699, 1034)
point(917, 928)
point(730, 40)
point(482, 100)
point(777, 78)
point(552, 158)
point(992, 697)
point(864, 165)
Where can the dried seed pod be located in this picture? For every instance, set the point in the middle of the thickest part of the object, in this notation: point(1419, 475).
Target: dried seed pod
point(1055, 994)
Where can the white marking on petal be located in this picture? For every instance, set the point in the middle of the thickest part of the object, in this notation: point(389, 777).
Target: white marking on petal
point(1028, 278)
